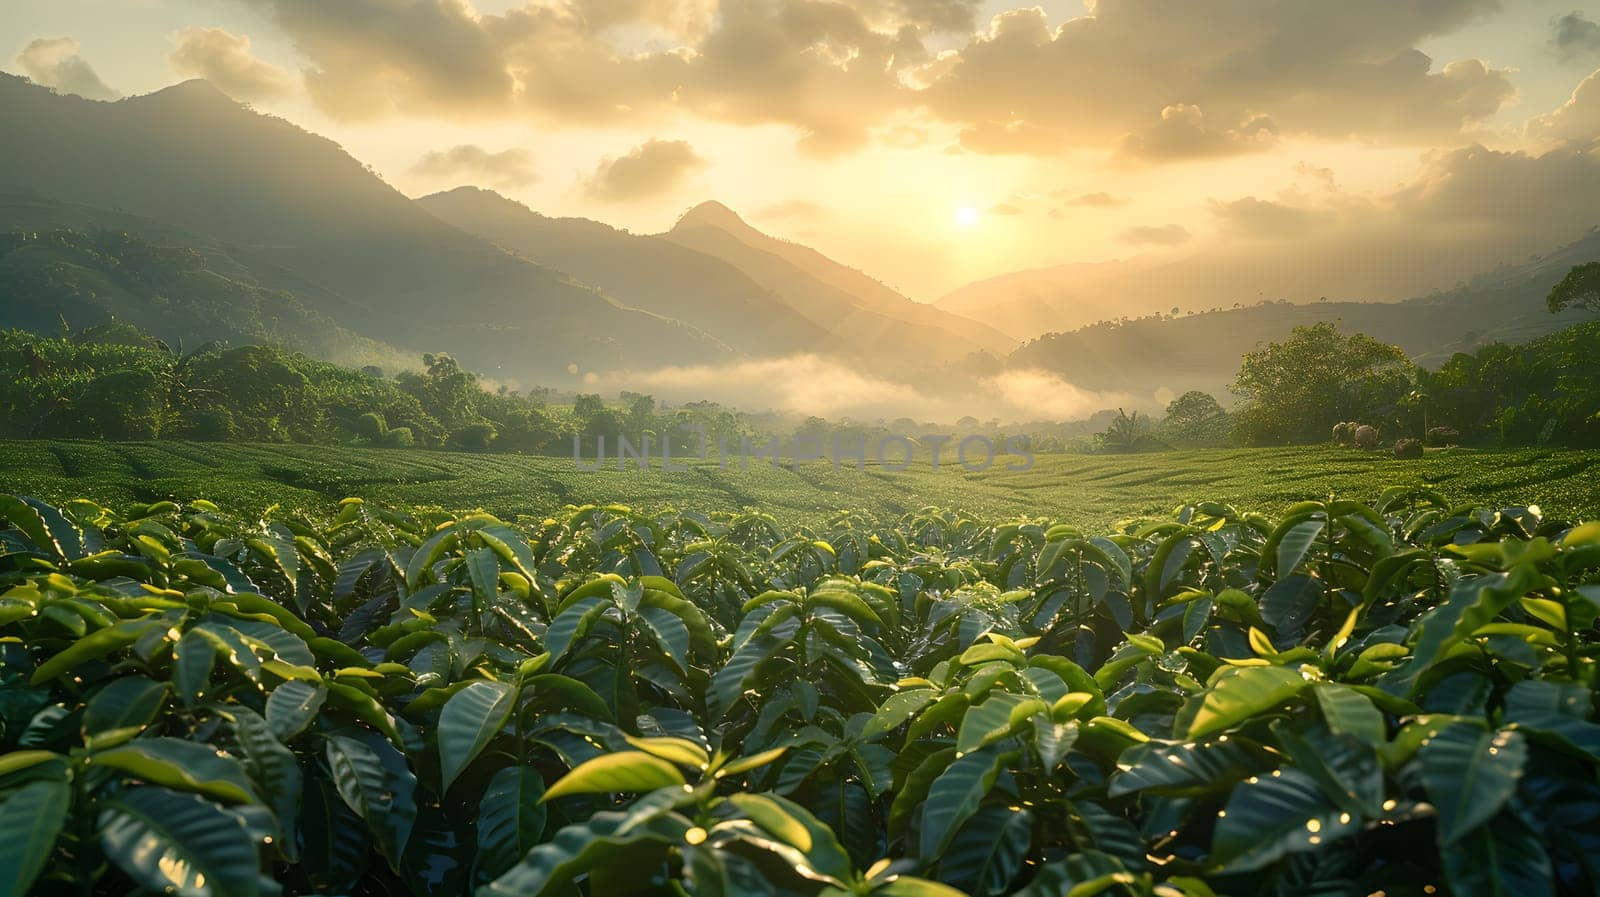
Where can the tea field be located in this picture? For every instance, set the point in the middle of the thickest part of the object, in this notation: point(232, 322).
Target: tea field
point(1084, 490)
point(1347, 698)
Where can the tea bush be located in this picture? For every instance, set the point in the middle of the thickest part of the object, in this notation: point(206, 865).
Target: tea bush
point(1349, 698)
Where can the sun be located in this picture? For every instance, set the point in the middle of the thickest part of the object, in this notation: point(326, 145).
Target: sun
point(966, 216)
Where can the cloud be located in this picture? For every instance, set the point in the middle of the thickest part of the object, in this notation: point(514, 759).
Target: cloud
point(804, 385)
point(1462, 213)
point(1004, 208)
point(54, 63)
point(651, 169)
point(1150, 235)
point(1182, 133)
point(1093, 200)
point(680, 18)
point(1578, 119)
point(1252, 217)
point(1330, 69)
point(1574, 36)
point(370, 59)
point(1019, 137)
point(225, 60)
point(823, 68)
point(508, 168)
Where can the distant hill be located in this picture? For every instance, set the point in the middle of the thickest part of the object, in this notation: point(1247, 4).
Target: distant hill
point(297, 213)
point(858, 311)
point(641, 271)
point(66, 277)
point(1202, 350)
point(1026, 304)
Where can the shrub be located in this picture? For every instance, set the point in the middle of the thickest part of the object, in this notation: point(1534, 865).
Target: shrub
point(1408, 449)
point(1366, 437)
point(452, 735)
point(212, 425)
point(475, 437)
point(1438, 436)
point(371, 426)
point(399, 437)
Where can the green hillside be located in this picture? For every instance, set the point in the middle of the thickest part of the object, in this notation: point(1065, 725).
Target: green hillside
point(1091, 491)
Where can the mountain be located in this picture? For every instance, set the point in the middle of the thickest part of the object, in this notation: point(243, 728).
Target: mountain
point(642, 271)
point(1202, 350)
point(1026, 304)
point(858, 311)
point(295, 212)
point(84, 279)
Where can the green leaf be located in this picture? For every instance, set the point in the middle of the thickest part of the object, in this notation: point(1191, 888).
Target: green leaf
point(988, 852)
point(1274, 815)
point(511, 818)
point(1350, 712)
point(183, 765)
point(911, 886)
point(483, 568)
point(1085, 874)
point(679, 751)
point(20, 760)
point(381, 795)
point(275, 770)
point(31, 818)
point(1240, 693)
point(634, 771)
point(45, 526)
point(194, 657)
point(335, 844)
point(605, 837)
point(93, 646)
point(954, 796)
point(1473, 603)
point(292, 706)
point(423, 559)
point(1504, 858)
point(794, 826)
point(571, 624)
point(1347, 770)
point(994, 719)
point(1294, 542)
point(1555, 711)
point(1183, 769)
point(896, 710)
point(179, 843)
point(669, 633)
point(1290, 603)
point(754, 761)
point(1469, 775)
point(471, 717)
point(728, 683)
point(127, 703)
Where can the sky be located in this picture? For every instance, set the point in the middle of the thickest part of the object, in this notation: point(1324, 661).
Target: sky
point(930, 142)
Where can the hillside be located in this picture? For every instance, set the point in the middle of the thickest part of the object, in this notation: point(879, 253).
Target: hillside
point(1027, 304)
point(640, 271)
point(298, 213)
point(859, 312)
point(1201, 351)
point(82, 280)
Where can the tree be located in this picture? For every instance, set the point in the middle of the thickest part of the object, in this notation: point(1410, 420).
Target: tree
point(1296, 390)
point(1581, 288)
point(1196, 418)
point(1128, 433)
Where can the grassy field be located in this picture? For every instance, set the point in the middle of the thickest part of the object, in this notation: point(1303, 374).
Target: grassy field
point(1088, 490)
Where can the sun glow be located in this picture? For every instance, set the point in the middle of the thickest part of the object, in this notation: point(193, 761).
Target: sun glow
point(966, 217)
